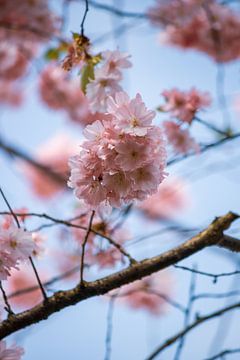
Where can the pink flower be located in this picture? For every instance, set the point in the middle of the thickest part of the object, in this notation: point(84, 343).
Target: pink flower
point(60, 92)
point(122, 160)
point(13, 64)
point(12, 353)
point(106, 79)
point(131, 116)
point(16, 245)
point(114, 62)
point(99, 89)
point(203, 25)
point(23, 279)
point(146, 293)
point(184, 105)
point(10, 94)
point(27, 21)
point(170, 199)
point(179, 138)
point(53, 154)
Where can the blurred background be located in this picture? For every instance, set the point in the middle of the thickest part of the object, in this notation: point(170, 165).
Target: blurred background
point(209, 182)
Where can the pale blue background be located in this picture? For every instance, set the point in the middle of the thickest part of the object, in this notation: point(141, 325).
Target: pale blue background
point(79, 332)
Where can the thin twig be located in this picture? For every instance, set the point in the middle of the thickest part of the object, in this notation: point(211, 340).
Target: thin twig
point(109, 332)
point(5, 298)
point(84, 245)
point(223, 353)
point(84, 17)
point(214, 276)
point(190, 327)
point(187, 313)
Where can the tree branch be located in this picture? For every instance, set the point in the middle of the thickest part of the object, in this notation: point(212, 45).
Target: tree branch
point(62, 299)
point(199, 321)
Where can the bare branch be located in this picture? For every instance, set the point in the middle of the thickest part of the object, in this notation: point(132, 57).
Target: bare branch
point(63, 299)
point(196, 323)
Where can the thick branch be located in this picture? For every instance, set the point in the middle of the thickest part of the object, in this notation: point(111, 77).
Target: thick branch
point(230, 243)
point(62, 299)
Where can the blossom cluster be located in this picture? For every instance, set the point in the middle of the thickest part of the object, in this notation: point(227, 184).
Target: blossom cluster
point(107, 77)
point(25, 21)
point(25, 24)
point(60, 92)
point(170, 199)
point(123, 158)
point(182, 107)
point(54, 154)
point(204, 25)
point(16, 246)
point(10, 353)
point(147, 294)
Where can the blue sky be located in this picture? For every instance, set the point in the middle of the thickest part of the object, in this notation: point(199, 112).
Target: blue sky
point(79, 332)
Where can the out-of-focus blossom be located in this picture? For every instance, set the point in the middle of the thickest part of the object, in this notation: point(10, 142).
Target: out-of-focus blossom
point(179, 138)
point(60, 92)
point(170, 199)
point(25, 21)
point(108, 169)
point(185, 104)
point(98, 250)
point(106, 79)
point(13, 64)
point(10, 353)
point(146, 293)
point(21, 280)
point(54, 154)
point(204, 25)
point(10, 94)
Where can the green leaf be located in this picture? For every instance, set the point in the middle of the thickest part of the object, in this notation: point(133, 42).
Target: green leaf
point(52, 54)
point(87, 75)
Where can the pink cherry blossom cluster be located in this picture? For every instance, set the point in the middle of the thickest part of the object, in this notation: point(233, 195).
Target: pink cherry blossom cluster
point(23, 279)
point(179, 138)
point(16, 245)
point(106, 79)
point(184, 105)
point(13, 65)
point(147, 294)
point(25, 21)
point(204, 25)
point(171, 198)
point(123, 158)
point(25, 24)
point(54, 153)
point(10, 353)
point(60, 92)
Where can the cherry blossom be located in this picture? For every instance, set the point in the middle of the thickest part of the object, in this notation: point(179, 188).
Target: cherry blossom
point(185, 104)
point(16, 245)
point(60, 92)
point(203, 25)
point(25, 21)
point(146, 293)
point(179, 138)
point(10, 94)
point(10, 353)
point(106, 79)
point(108, 168)
point(54, 153)
point(170, 199)
point(23, 279)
